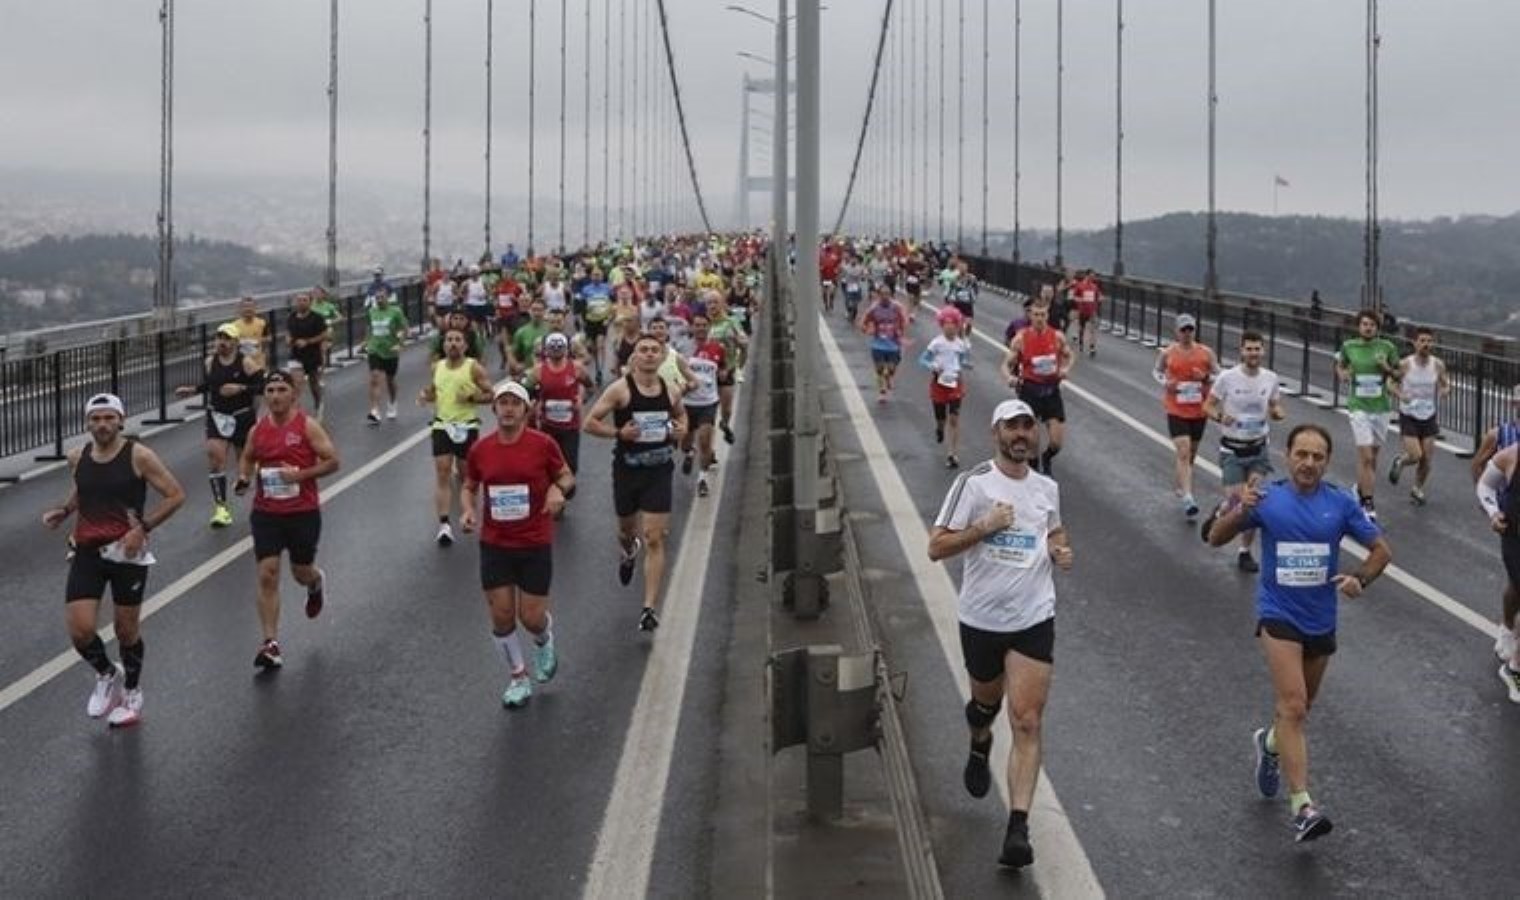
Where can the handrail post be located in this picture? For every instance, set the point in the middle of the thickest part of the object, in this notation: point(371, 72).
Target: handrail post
point(1477, 417)
point(57, 404)
point(1335, 377)
point(348, 324)
point(1272, 339)
point(116, 366)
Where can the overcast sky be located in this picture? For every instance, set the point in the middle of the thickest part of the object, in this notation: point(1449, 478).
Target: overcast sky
point(82, 92)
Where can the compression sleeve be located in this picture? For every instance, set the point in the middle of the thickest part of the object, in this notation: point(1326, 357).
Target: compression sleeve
point(1489, 487)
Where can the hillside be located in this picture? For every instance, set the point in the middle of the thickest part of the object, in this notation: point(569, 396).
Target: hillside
point(1458, 272)
point(57, 280)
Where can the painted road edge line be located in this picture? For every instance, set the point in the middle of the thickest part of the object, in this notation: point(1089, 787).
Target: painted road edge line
point(630, 827)
point(1062, 868)
point(21, 688)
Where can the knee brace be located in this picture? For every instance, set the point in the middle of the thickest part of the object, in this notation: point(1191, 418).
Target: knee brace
point(979, 716)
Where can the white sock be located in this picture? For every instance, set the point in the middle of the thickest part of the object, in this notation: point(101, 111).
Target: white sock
point(512, 648)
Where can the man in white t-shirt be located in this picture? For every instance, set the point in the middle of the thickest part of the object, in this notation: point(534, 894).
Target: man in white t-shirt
point(1006, 518)
point(1245, 400)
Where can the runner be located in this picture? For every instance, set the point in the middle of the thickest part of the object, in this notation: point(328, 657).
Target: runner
point(647, 418)
point(1007, 519)
point(111, 478)
point(709, 363)
point(1087, 295)
point(252, 331)
point(1366, 363)
point(725, 330)
point(307, 333)
point(458, 384)
point(457, 320)
point(382, 349)
point(885, 321)
point(1499, 495)
point(596, 300)
point(1185, 369)
point(558, 382)
point(963, 299)
point(1038, 360)
point(287, 452)
point(1501, 436)
point(323, 305)
point(525, 482)
point(944, 358)
point(1245, 399)
point(229, 385)
point(526, 338)
point(1422, 380)
point(1302, 520)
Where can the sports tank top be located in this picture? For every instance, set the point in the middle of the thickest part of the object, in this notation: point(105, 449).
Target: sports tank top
point(108, 491)
point(652, 413)
point(1417, 390)
point(274, 447)
point(218, 375)
point(559, 392)
point(1188, 376)
point(1040, 356)
point(450, 386)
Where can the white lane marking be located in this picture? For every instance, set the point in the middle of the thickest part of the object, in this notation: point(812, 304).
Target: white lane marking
point(24, 686)
point(1061, 867)
point(631, 823)
point(1418, 586)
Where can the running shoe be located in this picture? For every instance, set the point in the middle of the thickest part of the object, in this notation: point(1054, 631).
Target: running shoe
point(687, 461)
point(627, 560)
point(373, 419)
point(106, 695)
point(315, 595)
point(1189, 507)
point(1016, 850)
point(1092, 352)
point(702, 486)
point(1511, 680)
point(1369, 508)
point(728, 433)
point(1395, 469)
point(129, 711)
point(739, 377)
point(221, 515)
point(269, 656)
point(1504, 644)
point(390, 411)
point(1268, 779)
point(1247, 563)
point(648, 620)
point(545, 661)
point(1417, 495)
point(977, 775)
point(951, 462)
point(939, 434)
point(445, 537)
point(1309, 824)
point(519, 691)
point(970, 362)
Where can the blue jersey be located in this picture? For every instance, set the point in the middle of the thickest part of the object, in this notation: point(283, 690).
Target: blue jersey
point(1509, 435)
point(1300, 546)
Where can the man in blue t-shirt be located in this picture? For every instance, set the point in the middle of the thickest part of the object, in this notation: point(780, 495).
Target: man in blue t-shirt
point(1302, 520)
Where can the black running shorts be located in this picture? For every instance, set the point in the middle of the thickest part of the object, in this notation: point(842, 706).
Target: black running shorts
point(89, 575)
point(1420, 429)
point(293, 533)
point(1315, 645)
point(984, 651)
point(529, 569)
point(1177, 427)
point(1044, 401)
point(637, 489)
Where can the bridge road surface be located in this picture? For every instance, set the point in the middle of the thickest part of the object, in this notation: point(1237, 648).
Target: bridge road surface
point(379, 762)
point(1158, 680)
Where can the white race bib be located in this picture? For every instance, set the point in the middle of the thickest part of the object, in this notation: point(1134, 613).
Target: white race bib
point(654, 426)
point(1251, 428)
point(560, 412)
point(1017, 547)
point(276, 487)
point(507, 502)
point(116, 553)
point(248, 346)
point(1302, 564)
point(948, 378)
point(1369, 386)
point(1419, 408)
point(1044, 365)
point(1190, 392)
point(381, 328)
point(226, 425)
point(458, 432)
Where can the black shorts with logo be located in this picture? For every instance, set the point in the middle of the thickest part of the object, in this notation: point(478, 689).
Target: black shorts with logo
point(293, 533)
point(239, 436)
point(1044, 401)
point(529, 569)
point(89, 575)
point(984, 651)
point(1315, 645)
point(637, 489)
point(443, 445)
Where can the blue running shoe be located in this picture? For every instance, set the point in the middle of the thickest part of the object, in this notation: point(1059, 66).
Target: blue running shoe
point(519, 691)
point(1309, 824)
point(545, 661)
point(1268, 779)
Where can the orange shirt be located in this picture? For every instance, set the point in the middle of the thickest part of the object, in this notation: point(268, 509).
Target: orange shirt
point(1188, 373)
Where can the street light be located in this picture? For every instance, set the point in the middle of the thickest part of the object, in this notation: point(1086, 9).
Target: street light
point(764, 60)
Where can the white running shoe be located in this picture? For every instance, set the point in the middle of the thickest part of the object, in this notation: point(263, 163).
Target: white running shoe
point(107, 693)
point(390, 411)
point(445, 536)
point(1504, 647)
point(129, 711)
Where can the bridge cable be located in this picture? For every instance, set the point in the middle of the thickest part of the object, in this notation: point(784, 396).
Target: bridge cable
point(675, 87)
point(865, 122)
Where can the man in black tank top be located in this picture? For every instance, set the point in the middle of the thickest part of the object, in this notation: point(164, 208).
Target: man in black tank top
point(111, 478)
point(307, 333)
point(647, 422)
point(229, 387)
point(1499, 495)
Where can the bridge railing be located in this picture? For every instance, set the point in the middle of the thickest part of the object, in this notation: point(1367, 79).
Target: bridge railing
point(1301, 342)
point(42, 396)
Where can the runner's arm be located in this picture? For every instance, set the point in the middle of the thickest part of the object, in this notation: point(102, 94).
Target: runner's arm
point(483, 386)
point(611, 399)
point(1443, 380)
point(56, 516)
point(153, 471)
point(945, 543)
point(1486, 450)
point(327, 454)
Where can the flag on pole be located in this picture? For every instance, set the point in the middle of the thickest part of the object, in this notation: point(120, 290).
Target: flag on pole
point(1279, 181)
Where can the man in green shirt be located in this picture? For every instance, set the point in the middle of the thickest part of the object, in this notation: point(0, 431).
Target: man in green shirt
point(322, 304)
point(525, 339)
point(1366, 364)
point(387, 325)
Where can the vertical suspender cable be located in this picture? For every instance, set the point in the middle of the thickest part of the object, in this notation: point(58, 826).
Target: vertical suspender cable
point(1119, 138)
point(865, 124)
point(985, 23)
point(586, 140)
point(1060, 145)
point(163, 288)
point(941, 165)
point(622, 120)
point(960, 125)
point(1018, 100)
point(427, 135)
point(490, 33)
point(675, 93)
point(332, 152)
point(923, 175)
point(564, 13)
point(606, 121)
point(532, 120)
point(1211, 274)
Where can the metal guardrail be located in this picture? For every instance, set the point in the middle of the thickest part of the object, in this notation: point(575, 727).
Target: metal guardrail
point(1300, 344)
point(41, 396)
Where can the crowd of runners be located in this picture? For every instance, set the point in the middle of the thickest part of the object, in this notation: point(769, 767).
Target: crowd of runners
point(1003, 515)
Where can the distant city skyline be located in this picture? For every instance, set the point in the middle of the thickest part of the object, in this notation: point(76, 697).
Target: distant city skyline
point(1290, 87)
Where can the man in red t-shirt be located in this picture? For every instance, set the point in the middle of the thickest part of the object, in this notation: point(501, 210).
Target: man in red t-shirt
point(523, 478)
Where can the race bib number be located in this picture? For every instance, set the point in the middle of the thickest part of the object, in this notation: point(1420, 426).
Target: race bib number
point(1016, 547)
point(380, 329)
point(116, 552)
point(507, 502)
point(597, 308)
point(458, 432)
point(1302, 564)
point(1420, 408)
point(1369, 386)
point(1251, 428)
point(949, 378)
point(225, 425)
point(1044, 365)
point(560, 412)
point(248, 346)
point(1190, 392)
point(654, 427)
point(275, 486)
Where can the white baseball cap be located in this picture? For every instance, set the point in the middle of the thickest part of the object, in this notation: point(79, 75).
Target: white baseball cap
point(510, 387)
point(1011, 409)
point(1186, 321)
point(109, 402)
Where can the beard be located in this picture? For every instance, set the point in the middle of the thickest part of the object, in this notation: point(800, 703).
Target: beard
point(1017, 450)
